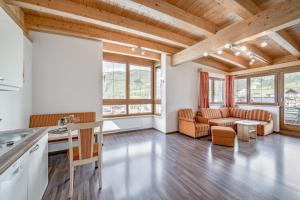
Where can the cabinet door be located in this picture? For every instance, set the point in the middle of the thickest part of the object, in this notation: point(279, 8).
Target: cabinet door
point(11, 52)
point(13, 182)
point(38, 169)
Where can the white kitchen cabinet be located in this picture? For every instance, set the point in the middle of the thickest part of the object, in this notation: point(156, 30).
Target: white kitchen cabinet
point(38, 169)
point(13, 182)
point(27, 178)
point(11, 53)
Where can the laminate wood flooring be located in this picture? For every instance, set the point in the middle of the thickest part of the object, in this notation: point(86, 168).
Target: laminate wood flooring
point(150, 165)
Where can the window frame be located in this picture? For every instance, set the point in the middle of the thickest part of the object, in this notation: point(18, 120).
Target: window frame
point(247, 91)
point(127, 101)
point(156, 101)
point(248, 77)
point(213, 79)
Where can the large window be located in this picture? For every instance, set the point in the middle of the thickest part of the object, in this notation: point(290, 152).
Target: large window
point(216, 91)
point(262, 89)
point(127, 89)
point(157, 90)
point(240, 90)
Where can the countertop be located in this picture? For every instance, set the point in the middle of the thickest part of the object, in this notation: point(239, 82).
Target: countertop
point(7, 159)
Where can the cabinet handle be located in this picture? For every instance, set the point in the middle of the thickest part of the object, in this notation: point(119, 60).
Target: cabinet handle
point(34, 148)
point(2, 79)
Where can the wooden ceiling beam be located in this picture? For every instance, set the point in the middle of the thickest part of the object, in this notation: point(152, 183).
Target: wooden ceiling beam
point(247, 9)
point(16, 14)
point(281, 16)
point(170, 13)
point(212, 63)
point(127, 51)
point(231, 59)
point(84, 30)
point(283, 39)
point(77, 11)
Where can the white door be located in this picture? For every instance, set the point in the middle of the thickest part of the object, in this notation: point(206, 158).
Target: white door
point(13, 182)
point(38, 169)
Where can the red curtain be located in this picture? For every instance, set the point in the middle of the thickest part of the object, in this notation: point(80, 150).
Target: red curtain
point(203, 96)
point(229, 81)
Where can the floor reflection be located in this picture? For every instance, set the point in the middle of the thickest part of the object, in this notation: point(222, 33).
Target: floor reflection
point(151, 165)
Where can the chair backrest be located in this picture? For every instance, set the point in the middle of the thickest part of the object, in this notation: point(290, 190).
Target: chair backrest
point(86, 132)
point(210, 113)
point(186, 113)
point(43, 120)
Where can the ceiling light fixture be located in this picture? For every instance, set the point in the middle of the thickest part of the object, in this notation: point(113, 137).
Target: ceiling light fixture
point(237, 53)
point(249, 53)
point(244, 48)
point(205, 54)
point(143, 52)
point(219, 52)
point(133, 49)
point(227, 46)
point(263, 44)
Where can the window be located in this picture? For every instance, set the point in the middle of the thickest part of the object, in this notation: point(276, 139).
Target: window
point(114, 80)
point(140, 82)
point(127, 89)
point(157, 90)
point(262, 89)
point(216, 91)
point(240, 90)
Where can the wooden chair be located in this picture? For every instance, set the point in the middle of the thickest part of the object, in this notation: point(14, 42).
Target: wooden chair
point(87, 150)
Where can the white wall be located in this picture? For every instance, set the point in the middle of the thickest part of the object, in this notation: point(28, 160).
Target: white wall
point(66, 74)
point(16, 106)
point(133, 123)
point(180, 90)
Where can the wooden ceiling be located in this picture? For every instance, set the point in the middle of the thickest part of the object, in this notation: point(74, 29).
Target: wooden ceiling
point(185, 29)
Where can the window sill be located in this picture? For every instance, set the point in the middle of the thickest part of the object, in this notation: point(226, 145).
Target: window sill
point(127, 117)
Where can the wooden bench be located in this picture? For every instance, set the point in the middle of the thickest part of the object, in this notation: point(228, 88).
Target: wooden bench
point(44, 120)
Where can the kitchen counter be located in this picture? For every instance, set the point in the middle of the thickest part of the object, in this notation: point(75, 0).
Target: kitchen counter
point(8, 158)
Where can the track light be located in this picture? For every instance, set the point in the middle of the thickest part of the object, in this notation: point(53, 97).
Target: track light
point(237, 53)
point(132, 49)
point(143, 52)
point(205, 54)
point(263, 44)
point(227, 46)
point(219, 52)
point(244, 48)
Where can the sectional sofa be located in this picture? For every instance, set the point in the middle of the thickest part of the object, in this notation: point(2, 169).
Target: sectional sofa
point(228, 117)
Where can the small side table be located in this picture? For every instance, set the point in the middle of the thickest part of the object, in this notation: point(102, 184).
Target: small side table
point(247, 129)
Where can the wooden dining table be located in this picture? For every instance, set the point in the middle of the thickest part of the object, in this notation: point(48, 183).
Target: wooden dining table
point(108, 127)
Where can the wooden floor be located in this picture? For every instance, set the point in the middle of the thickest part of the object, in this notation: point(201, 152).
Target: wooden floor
point(150, 165)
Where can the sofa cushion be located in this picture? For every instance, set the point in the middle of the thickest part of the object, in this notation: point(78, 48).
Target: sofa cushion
point(210, 113)
point(225, 112)
point(259, 115)
point(238, 113)
point(223, 121)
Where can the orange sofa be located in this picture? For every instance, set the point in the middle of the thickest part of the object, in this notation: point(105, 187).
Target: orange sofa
point(228, 117)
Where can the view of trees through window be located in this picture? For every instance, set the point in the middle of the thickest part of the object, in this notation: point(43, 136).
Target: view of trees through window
point(127, 89)
point(216, 90)
point(114, 80)
point(262, 89)
point(140, 82)
point(240, 90)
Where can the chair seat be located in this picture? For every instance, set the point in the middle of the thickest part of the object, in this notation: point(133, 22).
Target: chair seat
point(76, 151)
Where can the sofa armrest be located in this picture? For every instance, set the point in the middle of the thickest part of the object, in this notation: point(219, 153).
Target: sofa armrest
point(201, 120)
point(187, 119)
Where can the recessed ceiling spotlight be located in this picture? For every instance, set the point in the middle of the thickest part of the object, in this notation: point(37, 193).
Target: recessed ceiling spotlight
point(253, 60)
point(219, 52)
point(263, 44)
point(237, 53)
point(227, 46)
point(205, 54)
point(251, 63)
point(249, 53)
point(143, 52)
point(132, 49)
point(244, 48)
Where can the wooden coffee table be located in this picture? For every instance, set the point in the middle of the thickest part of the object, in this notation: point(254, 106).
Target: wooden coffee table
point(247, 129)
